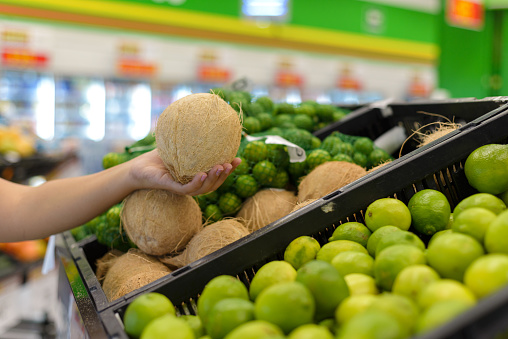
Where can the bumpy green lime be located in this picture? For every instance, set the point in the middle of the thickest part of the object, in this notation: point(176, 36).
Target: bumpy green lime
point(364, 145)
point(330, 142)
point(213, 213)
point(316, 158)
point(342, 157)
point(229, 203)
point(255, 151)
point(252, 125)
point(264, 172)
point(281, 180)
point(344, 148)
point(246, 186)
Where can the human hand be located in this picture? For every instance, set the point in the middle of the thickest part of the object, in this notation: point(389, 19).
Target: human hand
point(148, 171)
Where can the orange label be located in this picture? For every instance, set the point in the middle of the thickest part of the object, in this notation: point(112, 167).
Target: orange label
point(465, 13)
point(134, 67)
point(286, 79)
point(23, 58)
point(209, 73)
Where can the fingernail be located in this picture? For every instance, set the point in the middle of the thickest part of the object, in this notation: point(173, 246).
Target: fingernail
point(203, 177)
point(228, 170)
point(219, 171)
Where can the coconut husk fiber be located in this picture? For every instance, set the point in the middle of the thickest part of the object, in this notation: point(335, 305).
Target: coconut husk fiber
point(122, 274)
point(328, 177)
point(197, 132)
point(265, 207)
point(210, 239)
point(302, 204)
point(160, 222)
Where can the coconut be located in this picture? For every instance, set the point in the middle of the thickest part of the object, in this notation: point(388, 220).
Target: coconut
point(302, 204)
point(210, 239)
point(160, 222)
point(128, 272)
point(378, 166)
point(195, 133)
point(265, 207)
point(328, 177)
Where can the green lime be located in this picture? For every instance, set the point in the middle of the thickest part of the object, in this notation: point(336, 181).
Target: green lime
point(330, 142)
point(402, 308)
point(430, 211)
point(269, 274)
point(255, 151)
point(352, 306)
point(301, 250)
point(286, 305)
point(504, 196)
point(445, 289)
point(310, 331)
point(326, 284)
point(220, 287)
point(377, 235)
point(243, 168)
point(342, 157)
point(317, 157)
point(378, 157)
point(353, 262)
point(229, 203)
point(113, 215)
point(329, 250)
point(255, 329)
point(485, 200)
point(337, 115)
point(113, 159)
point(303, 121)
point(227, 314)
point(251, 125)
point(353, 231)
point(297, 170)
point(213, 213)
point(167, 326)
point(474, 221)
point(360, 283)
point(399, 238)
point(264, 172)
point(363, 145)
point(452, 253)
point(486, 168)
point(282, 119)
point(437, 235)
point(212, 197)
point(496, 238)
point(144, 309)
point(440, 313)
point(394, 259)
point(325, 112)
point(266, 121)
point(266, 102)
point(343, 148)
point(195, 323)
point(278, 155)
point(371, 324)
point(360, 159)
point(307, 109)
point(487, 274)
point(246, 186)
point(227, 184)
point(413, 279)
point(316, 142)
point(281, 180)
point(387, 211)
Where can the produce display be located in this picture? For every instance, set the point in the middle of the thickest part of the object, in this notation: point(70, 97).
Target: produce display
point(405, 270)
point(14, 141)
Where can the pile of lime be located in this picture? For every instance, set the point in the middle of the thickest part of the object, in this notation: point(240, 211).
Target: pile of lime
point(261, 113)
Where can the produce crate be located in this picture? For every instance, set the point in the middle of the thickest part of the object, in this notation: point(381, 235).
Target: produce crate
point(438, 165)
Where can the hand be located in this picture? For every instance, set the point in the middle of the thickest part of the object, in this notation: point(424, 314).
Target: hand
point(148, 171)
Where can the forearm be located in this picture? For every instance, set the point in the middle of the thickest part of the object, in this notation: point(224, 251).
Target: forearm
point(62, 204)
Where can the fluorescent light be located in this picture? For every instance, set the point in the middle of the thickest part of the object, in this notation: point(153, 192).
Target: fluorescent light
point(269, 8)
point(96, 96)
point(45, 109)
point(140, 110)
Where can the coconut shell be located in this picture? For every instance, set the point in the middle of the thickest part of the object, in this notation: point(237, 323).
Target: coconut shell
point(129, 272)
point(328, 177)
point(160, 222)
point(265, 207)
point(210, 239)
point(197, 132)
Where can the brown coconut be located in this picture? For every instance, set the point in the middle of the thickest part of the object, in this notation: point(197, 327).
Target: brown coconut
point(160, 222)
point(128, 272)
point(197, 132)
point(302, 204)
point(327, 178)
point(265, 207)
point(210, 239)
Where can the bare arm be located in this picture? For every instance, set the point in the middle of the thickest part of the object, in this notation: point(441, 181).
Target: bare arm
point(59, 205)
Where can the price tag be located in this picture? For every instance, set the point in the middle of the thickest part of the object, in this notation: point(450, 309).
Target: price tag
point(296, 153)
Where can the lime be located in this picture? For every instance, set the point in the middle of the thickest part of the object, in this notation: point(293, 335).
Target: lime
point(451, 254)
point(359, 283)
point(255, 151)
point(286, 305)
point(297, 169)
point(353, 231)
point(343, 148)
point(301, 250)
point(329, 250)
point(213, 213)
point(195, 323)
point(378, 235)
point(504, 196)
point(255, 109)
point(310, 331)
point(168, 326)
point(445, 289)
point(269, 274)
point(278, 155)
point(342, 157)
point(392, 260)
point(303, 121)
point(227, 184)
point(282, 119)
point(337, 115)
point(251, 125)
point(363, 145)
point(227, 314)
point(486, 168)
point(266, 102)
point(387, 211)
point(316, 143)
point(246, 186)
point(430, 211)
point(353, 262)
point(317, 157)
point(400, 307)
point(485, 200)
point(487, 274)
point(437, 235)
point(327, 286)
point(220, 287)
point(378, 157)
point(496, 236)
point(113, 215)
point(371, 324)
point(112, 159)
point(399, 238)
point(412, 279)
point(280, 180)
point(353, 305)
point(474, 221)
point(255, 329)
point(360, 159)
point(325, 112)
point(307, 109)
point(266, 120)
point(143, 310)
point(439, 314)
point(229, 203)
point(284, 108)
point(264, 172)
point(243, 168)
point(330, 142)
point(212, 197)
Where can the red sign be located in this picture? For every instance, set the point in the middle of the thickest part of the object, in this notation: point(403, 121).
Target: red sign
point(465, 13)
point(134, 67)
point(23, 58)
point(288, 79)
point(211, 73)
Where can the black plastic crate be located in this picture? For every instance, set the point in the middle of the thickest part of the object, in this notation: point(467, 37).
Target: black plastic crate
point(438, 165)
